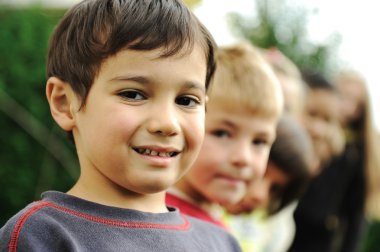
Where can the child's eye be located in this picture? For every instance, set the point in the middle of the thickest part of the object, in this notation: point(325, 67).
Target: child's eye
point(187, 101)
point(220, 133)
point(259, 142)
point(132, 95)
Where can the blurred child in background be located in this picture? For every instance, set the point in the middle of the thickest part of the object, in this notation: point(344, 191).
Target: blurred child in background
point(330, 215)
point(362, 140)
point(361, 136)
point(254, 222)
point(321, 118)
point(267, 221)
point(245, 104)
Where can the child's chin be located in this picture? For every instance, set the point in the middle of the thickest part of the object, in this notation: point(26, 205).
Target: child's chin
point(157, 188)
point(230, 201)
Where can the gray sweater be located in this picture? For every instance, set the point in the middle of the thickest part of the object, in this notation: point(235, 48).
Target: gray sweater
point(60, 222)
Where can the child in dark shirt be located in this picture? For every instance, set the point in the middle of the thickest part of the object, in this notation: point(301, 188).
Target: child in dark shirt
point(127, 79)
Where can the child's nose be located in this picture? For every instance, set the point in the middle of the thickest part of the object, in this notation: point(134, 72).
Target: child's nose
point(164, 121)
point(318, 129)
point(241, 155)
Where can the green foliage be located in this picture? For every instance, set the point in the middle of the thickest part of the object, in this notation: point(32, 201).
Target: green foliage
point(34, 154)
point(284, 26)
point(371, 241)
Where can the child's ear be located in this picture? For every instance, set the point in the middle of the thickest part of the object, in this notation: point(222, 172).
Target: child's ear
point(62, 100)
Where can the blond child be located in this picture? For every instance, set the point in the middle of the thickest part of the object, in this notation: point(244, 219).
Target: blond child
point(128, 80)
point(262, 221)
point(245, 103)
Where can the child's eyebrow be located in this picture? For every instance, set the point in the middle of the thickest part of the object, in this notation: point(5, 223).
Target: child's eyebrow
point(195, 85)
point(138, 79)
point(148, 81)
point(228, 123)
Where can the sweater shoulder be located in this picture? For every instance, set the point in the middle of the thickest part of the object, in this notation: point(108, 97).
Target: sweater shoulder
point(218, 237)
point(26, 225)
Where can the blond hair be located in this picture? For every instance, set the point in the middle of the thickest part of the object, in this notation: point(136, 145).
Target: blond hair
point(244, 80)
point(370, 139)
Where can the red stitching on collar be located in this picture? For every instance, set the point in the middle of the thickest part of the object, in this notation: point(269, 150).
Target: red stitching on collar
point(42, 204)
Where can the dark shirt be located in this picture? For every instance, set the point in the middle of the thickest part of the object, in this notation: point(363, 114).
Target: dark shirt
point(330, 215)
point(60, 222)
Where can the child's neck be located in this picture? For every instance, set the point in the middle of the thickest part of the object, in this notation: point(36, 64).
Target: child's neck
point(154, 203)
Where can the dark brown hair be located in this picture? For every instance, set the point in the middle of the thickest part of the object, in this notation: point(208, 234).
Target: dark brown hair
point(292, 153)
point(94, 30)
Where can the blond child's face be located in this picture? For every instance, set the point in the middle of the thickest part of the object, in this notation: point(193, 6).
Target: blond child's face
point(143, 122)
point(236, 147)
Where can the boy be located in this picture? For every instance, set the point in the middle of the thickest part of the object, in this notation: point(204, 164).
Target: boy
point(263, 221)
point(127, 79)
point(242, 113)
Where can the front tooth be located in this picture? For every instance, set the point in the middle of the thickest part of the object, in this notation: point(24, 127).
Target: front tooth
point(147, 151)
point(153, 153)
point(162, 154)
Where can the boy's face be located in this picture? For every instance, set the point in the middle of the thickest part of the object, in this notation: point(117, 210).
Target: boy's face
point(143, 122)
point(236, 147)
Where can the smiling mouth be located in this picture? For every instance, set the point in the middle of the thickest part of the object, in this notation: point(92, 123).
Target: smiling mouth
point(149, 152)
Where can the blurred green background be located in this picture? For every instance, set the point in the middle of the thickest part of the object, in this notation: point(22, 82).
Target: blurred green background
point(35, 154)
